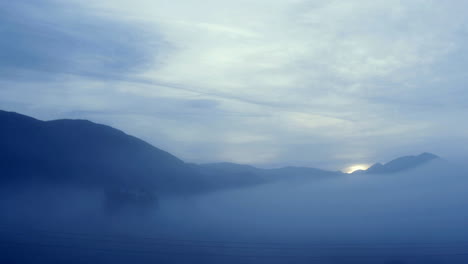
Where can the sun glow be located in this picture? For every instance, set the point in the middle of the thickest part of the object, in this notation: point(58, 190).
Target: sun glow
point(356, 167)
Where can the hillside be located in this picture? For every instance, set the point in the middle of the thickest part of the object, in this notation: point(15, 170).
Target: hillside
point(85, 153)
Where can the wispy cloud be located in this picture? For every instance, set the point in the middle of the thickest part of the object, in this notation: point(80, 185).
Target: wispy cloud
point(266, 82)
point(50, 39)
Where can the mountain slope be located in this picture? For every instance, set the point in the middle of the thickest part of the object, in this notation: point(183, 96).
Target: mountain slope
point(401, 164)
point(82, 152)
point(85, 153)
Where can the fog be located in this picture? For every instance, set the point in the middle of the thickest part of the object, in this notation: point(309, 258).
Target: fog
point(428, 203)
point(418, 215)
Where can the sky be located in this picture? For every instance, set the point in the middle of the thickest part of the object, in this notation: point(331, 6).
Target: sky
point(323, 84)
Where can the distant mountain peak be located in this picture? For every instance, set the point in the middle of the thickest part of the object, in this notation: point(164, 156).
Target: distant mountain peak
point(401, 163)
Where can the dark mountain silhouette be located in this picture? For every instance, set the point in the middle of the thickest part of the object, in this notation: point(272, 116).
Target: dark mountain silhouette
point(400, 164)
point(89, 154)
point(81, 152)
point(85, 153)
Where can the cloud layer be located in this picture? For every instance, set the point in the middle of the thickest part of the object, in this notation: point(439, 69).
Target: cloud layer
point(268, 83)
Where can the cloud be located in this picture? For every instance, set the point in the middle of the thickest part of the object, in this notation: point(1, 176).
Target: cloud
point(307, 83)
point(50, 39)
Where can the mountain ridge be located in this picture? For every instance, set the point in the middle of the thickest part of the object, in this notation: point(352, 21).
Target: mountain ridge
point(400, 164)
point(84, 152)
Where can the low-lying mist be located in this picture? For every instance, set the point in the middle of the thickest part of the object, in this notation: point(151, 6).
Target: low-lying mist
point(428, 203)
point(424, 205)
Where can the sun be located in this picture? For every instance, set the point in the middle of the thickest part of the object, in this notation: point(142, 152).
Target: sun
point(356, 167)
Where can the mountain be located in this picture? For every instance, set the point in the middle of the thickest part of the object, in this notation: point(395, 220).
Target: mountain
point(242, 175)
point(83, 153)
point(88, 154)
point(401, 164)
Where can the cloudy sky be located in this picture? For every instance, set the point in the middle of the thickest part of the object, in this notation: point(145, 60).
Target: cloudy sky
point(271, 83)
